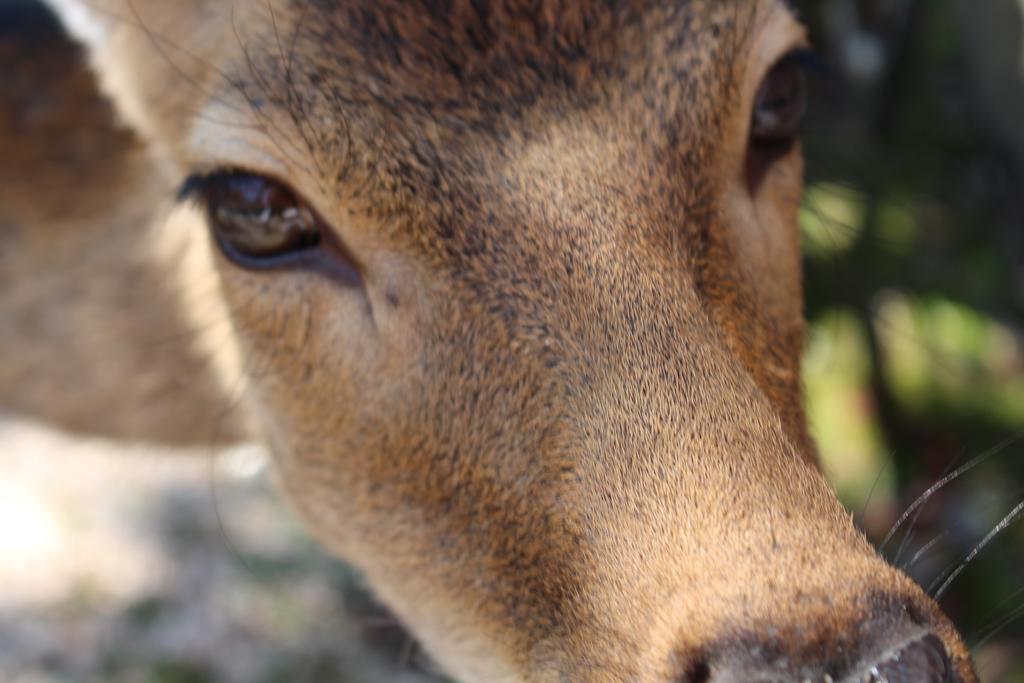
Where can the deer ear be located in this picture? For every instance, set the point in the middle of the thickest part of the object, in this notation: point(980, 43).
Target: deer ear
point(154, 58)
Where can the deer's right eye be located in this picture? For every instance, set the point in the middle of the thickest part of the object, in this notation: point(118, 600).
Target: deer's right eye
point(258, 222)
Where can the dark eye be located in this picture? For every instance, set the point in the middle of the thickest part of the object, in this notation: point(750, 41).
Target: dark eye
point(258, 222)
point(781, 102)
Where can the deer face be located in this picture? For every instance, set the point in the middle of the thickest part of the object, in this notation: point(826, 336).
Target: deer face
point(516, 289)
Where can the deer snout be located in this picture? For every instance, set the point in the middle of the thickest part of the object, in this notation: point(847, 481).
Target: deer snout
point(923, 660)
point(910, 657)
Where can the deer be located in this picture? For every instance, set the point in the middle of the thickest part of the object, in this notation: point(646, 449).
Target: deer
point(511, 291)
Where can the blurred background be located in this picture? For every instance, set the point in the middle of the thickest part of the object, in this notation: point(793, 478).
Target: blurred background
point(129, 564)
point(914, 243)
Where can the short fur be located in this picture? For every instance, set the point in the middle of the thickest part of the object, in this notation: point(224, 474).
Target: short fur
point(558, 425)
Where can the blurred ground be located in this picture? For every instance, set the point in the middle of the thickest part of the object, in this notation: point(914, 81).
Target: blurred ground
point(133, 565)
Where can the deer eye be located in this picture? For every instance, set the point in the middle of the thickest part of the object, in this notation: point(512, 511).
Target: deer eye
point(258, 222)
point(781, 102)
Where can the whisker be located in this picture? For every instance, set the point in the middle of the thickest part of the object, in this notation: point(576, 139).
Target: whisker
point(909, 536)
point(1013, 616)
point(924, 550)
point(946, 480)
point(265, 120)
point(1003, 524)
point(871, 492)
point(160, 44)
point(993, 621)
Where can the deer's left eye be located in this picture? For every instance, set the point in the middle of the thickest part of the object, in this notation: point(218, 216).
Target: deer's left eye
point(781, 102)
point(258, 222)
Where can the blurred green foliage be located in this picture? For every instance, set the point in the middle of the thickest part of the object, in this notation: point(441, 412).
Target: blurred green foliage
point(915, 279)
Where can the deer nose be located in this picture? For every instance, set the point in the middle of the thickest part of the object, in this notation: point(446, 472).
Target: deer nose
point(921, 660)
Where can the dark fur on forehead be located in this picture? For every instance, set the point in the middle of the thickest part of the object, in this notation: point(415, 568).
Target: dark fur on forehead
point(408, 82)
point(525, 44)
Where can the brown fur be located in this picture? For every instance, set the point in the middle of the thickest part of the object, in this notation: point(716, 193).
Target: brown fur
point(91, 336)
point(558, 425)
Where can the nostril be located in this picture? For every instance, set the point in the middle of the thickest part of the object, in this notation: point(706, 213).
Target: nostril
point(921, 661)
point(699, 672)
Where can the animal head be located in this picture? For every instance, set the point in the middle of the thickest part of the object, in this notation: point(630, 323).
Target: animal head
point(516, 289)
